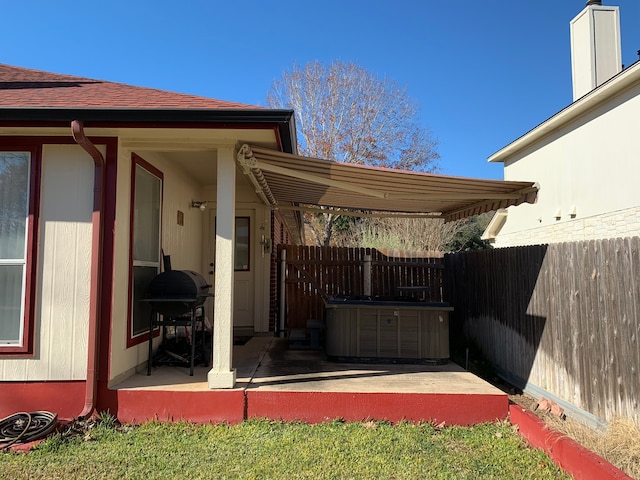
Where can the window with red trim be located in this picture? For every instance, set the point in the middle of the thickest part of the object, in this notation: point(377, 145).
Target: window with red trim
point(19, 193)
point(146, 211)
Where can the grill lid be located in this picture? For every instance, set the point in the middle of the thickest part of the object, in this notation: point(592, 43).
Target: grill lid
point(176, 292)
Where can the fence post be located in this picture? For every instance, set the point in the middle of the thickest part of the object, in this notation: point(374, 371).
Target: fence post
point(283, 286)
point(367, 275)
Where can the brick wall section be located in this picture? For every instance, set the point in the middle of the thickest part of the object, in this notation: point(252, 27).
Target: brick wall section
point(619, 224)
point(279, 235)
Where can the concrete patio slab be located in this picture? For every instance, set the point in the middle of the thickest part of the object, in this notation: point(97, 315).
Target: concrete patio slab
point(276, 382)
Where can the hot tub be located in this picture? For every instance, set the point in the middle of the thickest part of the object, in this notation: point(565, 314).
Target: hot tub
point(387, 330)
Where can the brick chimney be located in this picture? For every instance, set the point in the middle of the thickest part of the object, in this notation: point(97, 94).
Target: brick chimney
point(596, 52)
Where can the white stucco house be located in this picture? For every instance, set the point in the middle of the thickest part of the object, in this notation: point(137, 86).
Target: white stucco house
point(99, 179)
point(584, 158)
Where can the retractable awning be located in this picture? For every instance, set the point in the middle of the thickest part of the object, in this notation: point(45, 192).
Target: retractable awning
point(286, 181)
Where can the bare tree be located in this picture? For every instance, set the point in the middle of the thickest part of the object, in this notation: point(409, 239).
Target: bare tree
point(409, 234)
point(345, 113)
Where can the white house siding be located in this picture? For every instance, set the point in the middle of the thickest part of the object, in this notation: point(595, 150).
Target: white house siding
point(186, 244)
point(182, 243)
point(588, 173)
point(63, 279)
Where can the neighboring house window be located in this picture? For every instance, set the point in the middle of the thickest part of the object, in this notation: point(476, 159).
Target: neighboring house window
point(241, 254)
point(18, 189)
point(146, 202)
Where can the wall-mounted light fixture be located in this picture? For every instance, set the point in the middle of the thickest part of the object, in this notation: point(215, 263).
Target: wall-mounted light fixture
point(265, 242)
point(201, 205)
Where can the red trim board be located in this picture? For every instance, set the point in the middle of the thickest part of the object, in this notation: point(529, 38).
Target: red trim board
point(63, 398)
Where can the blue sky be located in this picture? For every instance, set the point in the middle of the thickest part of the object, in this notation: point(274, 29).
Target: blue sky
point(484, 72)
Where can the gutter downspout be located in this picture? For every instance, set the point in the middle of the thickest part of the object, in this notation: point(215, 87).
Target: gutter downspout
point(77, 130)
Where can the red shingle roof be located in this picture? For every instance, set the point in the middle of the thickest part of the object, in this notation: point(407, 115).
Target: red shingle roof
point(23, 87)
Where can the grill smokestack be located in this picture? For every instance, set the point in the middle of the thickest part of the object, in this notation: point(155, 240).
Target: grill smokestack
point(594, 2)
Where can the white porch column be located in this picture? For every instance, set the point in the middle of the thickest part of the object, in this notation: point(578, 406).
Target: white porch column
point(221, 374)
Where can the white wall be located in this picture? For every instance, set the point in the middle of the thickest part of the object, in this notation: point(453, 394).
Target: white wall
point(589, 167)
point(64, 263)
point(186, 244)
point(63, 279)
point(182, 243)
point(247, 201)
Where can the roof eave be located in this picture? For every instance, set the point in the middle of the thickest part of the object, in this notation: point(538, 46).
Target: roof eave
point(283, 119)
point(625, 79)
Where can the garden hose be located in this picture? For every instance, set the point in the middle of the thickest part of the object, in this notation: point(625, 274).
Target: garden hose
point(25, 427)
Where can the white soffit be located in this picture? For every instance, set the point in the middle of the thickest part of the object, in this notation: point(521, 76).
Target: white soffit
point(495, 225)
point(283, 180)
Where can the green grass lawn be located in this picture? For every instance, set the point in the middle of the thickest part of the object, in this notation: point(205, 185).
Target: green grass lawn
point(266, 450)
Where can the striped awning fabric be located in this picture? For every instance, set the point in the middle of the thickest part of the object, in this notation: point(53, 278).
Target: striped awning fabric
point(286, 180)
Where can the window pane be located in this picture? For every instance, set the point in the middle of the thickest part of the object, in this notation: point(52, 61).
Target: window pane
point(142, 277)
point(14, 188)
point(146, 226)
point(241, 255)
point(11, 277)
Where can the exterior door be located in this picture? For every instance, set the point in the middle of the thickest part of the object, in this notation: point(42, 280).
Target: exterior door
point(244, 269)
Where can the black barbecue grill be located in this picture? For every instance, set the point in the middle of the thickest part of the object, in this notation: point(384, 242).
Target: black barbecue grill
point(176, 294)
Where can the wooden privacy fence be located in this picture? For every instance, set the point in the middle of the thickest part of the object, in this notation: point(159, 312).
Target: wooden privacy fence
point(310, 275)
point(561, 318)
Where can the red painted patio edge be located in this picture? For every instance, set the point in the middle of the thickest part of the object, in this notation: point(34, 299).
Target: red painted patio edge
point(569, 455)
point(234, 406)
point(220, 406)
point(317, 407)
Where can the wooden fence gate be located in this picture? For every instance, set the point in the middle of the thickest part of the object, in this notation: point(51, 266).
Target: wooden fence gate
point(307, 276)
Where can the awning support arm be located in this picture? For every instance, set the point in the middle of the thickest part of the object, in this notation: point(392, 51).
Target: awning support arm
point(255, 175)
